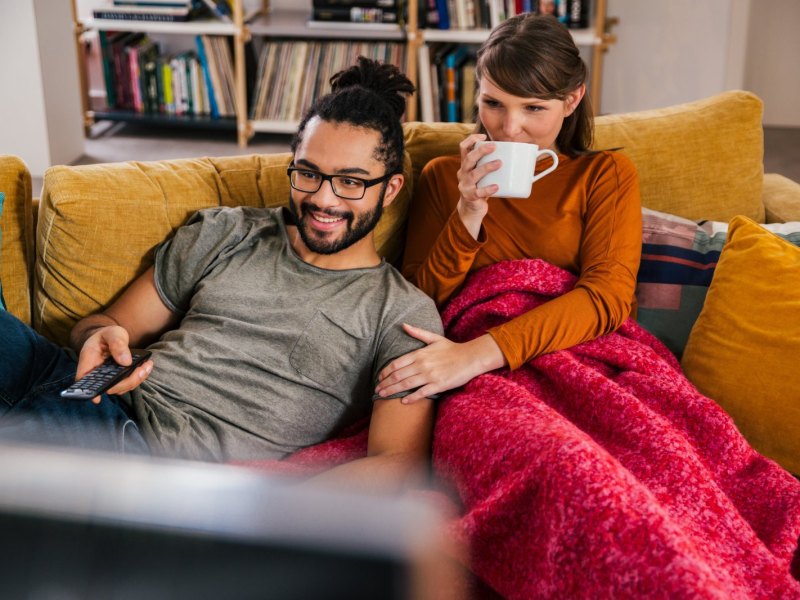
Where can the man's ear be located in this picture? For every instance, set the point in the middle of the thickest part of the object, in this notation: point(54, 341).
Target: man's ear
point(574, 98)
point(393, 187)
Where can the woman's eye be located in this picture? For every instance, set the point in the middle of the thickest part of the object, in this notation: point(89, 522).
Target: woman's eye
point(491, 103)
point(534, 108)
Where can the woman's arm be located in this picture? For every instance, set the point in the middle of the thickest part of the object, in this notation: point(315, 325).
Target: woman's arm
point(444, 225)
point(610, 252)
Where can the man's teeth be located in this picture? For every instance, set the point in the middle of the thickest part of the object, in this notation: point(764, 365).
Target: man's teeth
point(327, 219)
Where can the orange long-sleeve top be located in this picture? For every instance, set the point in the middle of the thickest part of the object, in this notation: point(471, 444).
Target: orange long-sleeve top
point(584, 217)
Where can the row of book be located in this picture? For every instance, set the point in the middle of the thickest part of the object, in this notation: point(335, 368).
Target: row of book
point(447, 86)
point(486, 14)
point(301, 71)
point(139, 78)
point(164, 10)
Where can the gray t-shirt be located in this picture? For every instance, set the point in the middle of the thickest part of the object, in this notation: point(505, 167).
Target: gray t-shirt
point(272, 354)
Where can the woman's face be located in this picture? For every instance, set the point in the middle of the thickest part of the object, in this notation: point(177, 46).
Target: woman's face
point(510, 118)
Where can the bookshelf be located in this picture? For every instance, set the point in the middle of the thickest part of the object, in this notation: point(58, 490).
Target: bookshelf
point(595, 38)
point(235, 29)
point(289, 23)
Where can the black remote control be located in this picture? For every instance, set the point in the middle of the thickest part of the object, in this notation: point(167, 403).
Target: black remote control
point(101, 378)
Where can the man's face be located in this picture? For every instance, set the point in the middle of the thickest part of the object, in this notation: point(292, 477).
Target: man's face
point(328, 223)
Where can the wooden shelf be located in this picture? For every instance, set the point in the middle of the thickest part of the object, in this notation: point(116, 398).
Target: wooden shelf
point(287, 24)
point(226, 123)
point(203, 27)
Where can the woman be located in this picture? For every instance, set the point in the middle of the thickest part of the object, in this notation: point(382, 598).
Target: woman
point(584, 217)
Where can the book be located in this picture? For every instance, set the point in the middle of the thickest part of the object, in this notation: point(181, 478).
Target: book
point(155, 3)
point(577, 14)
point(453, 62)
point(146, 13)
point(390, 4)
point(212, 99)
point(354, 14)
point(219, 9)
point(425, 91)
point(108, 68)
point(444, 14)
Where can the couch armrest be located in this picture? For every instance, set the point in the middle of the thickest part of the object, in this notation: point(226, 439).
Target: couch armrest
point(781, 198)
point(16, 254)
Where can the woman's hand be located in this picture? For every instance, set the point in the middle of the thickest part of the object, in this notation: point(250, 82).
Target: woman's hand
point(111, 340)
point(473, 203)
point(440, 366)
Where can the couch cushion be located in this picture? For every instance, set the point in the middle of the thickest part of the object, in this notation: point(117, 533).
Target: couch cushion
point(678, 261)
point(699, 160)
point(425, 141)
point(16, 245)
point(2, 300)
point(743, 349)
point(99, 224)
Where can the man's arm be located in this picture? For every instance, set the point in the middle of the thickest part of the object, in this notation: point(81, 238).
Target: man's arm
point(398, 449)
point(137, 318)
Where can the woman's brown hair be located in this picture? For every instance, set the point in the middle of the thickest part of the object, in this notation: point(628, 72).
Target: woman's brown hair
point(534, 56)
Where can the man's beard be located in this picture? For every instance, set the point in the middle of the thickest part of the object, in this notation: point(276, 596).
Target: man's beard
point(355, 231)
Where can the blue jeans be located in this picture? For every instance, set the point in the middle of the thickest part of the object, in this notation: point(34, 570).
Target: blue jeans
point(33, 371)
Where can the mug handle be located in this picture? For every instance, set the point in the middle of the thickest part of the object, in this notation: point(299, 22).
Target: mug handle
point(550, 168)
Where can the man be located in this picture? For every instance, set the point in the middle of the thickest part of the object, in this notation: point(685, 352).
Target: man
point(267, 326)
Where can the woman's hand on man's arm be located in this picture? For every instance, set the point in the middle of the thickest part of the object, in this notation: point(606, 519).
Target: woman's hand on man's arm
point(439, 366)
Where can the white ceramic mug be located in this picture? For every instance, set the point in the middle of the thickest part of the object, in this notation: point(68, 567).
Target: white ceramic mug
point(515, 176)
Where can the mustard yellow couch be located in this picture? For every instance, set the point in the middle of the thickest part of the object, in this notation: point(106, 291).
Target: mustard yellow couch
point(95, 227)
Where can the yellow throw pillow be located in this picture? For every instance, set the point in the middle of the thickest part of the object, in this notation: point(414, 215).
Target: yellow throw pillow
point(744, 350)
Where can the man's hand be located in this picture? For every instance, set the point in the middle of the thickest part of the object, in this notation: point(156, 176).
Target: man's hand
point(440, 366)
point(111, 340)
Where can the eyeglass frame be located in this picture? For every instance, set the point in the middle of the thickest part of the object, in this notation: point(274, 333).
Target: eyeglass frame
point(368, 183)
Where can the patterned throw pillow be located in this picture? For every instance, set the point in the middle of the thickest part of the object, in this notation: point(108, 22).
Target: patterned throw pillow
point(678, 261)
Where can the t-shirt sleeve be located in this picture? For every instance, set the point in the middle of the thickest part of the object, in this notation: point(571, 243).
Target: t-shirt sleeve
point(197, 246)
point(603, 296)
point(439, 250)
point(395, 342)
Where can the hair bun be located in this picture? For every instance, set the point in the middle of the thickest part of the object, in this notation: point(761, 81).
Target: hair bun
point(383, 79)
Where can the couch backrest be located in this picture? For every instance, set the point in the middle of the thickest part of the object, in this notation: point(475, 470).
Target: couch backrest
point(698, 160)
point(16, 225)
point(98, 224)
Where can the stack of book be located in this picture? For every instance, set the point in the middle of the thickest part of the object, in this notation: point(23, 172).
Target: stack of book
point(140, 79)
point(336, 12)
point(302, 70)
point(486, 14)
point(164, 10)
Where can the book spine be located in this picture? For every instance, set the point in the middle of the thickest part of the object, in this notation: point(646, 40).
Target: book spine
point(355, 14)
point(108, 69)
point(201, 54)
point(578, 14)
point(126, 16)
point(386, 4)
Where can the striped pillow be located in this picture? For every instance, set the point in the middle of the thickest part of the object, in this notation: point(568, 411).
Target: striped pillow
point(678, 261)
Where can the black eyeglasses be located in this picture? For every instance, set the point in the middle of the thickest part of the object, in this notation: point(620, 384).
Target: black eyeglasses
point(344, 186)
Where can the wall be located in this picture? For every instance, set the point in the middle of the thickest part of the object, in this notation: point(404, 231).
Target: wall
point(771, 66)
point(672, 52)
point(40, 100)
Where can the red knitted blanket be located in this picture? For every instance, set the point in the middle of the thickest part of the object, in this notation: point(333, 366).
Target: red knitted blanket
point(600, 471)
